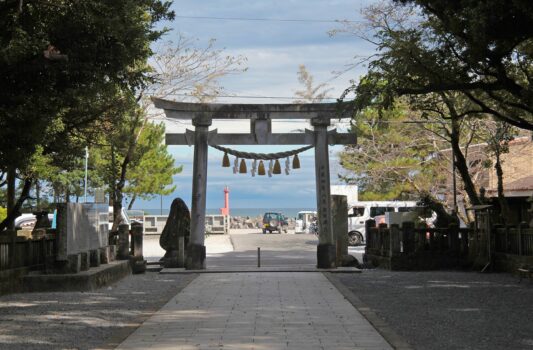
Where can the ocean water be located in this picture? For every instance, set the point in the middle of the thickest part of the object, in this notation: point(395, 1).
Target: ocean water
point(251, 212)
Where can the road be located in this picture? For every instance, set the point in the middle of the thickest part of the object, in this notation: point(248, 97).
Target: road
point(276, 250)
point(239, 249)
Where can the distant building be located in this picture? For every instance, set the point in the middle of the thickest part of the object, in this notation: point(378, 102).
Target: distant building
point(517, 166)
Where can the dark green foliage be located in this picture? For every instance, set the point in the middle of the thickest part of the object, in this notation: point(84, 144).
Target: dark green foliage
point(481, 49)
point(44, 100)
point(64, 65)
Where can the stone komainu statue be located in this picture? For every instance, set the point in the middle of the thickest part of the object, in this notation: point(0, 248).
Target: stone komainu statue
point(178, 225)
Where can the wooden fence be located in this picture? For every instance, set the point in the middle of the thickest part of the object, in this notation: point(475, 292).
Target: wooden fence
point(17, 252)
point(391, 241)
point(513, 240)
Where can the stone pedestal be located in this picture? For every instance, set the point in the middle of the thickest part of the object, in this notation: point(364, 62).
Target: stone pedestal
point(195, 257)
point(95, 257)
point(138, 264)
point(72, 264)
point(171, 259)
point(85, 261)
point(325, 256)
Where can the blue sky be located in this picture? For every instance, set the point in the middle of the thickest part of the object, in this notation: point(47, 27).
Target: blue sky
point(274, 50)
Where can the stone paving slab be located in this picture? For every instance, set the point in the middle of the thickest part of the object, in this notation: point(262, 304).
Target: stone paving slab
point(277, 310)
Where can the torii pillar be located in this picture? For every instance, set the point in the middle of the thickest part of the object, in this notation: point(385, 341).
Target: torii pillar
point(326, 250)
point(196, 248)
point(260, 116)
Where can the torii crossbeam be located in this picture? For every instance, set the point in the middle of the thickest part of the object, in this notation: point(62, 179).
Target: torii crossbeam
point(260, 116)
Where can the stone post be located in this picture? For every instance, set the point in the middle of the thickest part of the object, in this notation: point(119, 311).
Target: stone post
point(123, 242)
point(137, 261)
point(339, 214)
point(370, 236)
point(326, 249)
point(137, 240)
point(196, 248)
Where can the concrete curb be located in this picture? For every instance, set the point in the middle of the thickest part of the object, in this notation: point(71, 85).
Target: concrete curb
point(94, 278)
point(121, 334)
point(168, 271)
point(395, 340)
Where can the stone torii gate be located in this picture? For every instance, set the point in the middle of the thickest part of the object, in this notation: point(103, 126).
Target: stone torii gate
point(260, 116)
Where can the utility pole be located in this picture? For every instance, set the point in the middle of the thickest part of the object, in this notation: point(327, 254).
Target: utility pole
point(86, 162)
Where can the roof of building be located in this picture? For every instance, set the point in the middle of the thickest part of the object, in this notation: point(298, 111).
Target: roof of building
point(523, 185)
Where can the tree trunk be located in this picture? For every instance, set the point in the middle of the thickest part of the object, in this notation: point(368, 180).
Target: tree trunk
point(10, 196)
point(119, 186)
point(117, 208)
point(15, 210)
point(504, 206)
point(38, 195)
point(461, 164)
point(132, 201)
point(443, 218)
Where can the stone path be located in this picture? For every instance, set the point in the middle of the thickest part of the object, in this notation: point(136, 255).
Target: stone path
point(257, 311)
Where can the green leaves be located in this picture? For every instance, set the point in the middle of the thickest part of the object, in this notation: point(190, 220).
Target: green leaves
point(153, 170)
point(481, 49)
point(107, 44)
point(394, 159)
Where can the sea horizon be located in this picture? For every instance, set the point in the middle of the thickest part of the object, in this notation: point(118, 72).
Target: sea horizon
point(251, 212)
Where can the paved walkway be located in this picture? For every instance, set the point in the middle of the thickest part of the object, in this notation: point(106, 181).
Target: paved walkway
point(257, 311)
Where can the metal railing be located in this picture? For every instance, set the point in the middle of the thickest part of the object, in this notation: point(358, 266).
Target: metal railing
point(214, 224)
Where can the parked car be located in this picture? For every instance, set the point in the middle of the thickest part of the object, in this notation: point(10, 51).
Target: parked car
point(27, 221)
point(274, 222)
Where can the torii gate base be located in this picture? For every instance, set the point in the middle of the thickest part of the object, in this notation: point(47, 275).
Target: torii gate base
point(260, 116)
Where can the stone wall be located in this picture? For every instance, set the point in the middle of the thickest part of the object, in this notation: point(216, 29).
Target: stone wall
point(82, 227)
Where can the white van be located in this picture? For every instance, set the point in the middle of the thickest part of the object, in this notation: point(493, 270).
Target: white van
point(304, 220)
point(360, 212)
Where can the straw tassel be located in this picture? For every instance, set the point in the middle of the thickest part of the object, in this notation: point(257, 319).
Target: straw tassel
point(225, 160)
point(242, 167)
point(296, 162)
point(261, 169)
point(236, 165)
point(277, 168)
point(254, 167)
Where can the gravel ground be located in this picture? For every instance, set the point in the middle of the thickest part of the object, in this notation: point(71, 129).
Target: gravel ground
point(90, 320)
point(449, 310)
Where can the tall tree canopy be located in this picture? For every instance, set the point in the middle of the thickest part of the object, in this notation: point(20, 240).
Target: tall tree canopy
point(62, 65)
point(61, 60)
point(481, 49)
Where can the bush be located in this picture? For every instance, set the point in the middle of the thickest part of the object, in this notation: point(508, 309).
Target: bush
point(3, 214)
